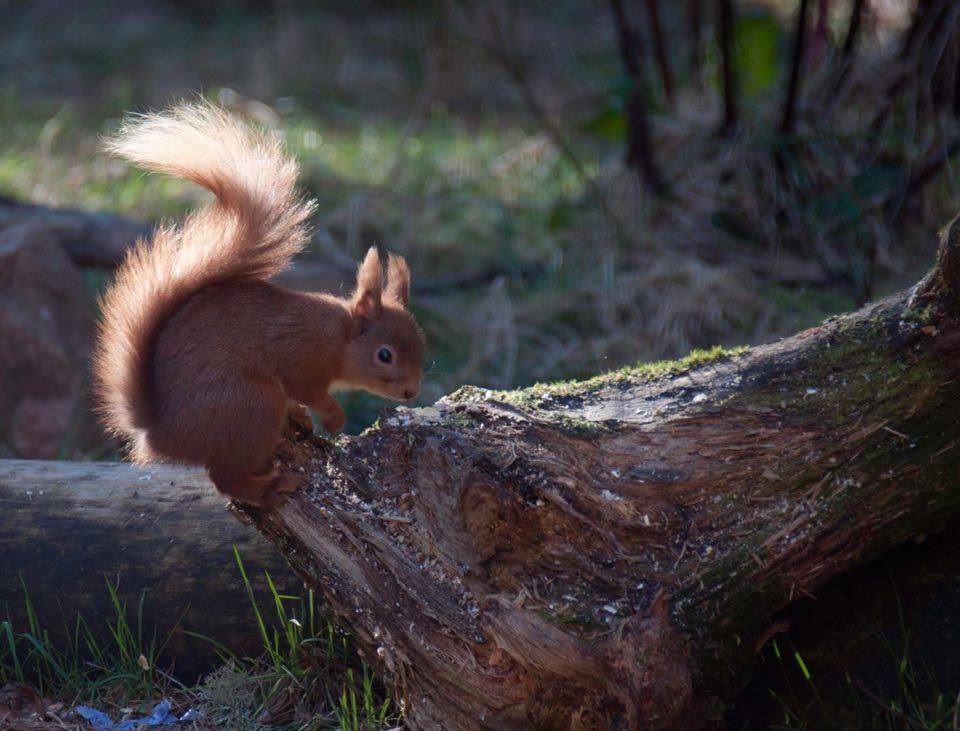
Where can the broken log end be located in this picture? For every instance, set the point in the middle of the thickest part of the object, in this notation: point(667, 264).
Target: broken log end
point(942, 284)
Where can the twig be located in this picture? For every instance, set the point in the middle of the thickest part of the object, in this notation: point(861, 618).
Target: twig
point(425, 95)
point(927, 172)
point(517, 71)
point(846, 59)
point(896, 433)
point(853, 29)
point(796, 70)
point(660, 48)
point(928, 18)
point(725, 8)
point(695, 27)
point(639, 146)
point(878, 701)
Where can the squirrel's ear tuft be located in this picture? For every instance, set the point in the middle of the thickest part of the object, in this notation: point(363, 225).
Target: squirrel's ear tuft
point(398, 280)
point(366, 298)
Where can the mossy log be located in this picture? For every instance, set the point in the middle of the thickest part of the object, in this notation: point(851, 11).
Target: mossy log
point(611, 554)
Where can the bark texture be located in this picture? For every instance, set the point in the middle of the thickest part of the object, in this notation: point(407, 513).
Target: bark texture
point(608, 554)
point(66, 528)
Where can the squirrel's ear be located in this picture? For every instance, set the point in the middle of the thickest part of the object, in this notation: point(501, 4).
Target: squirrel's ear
point(366, 298)
point(398, 279)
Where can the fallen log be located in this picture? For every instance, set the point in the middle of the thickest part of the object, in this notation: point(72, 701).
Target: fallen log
point(66, 528)
point(100, 240)
point(609, 553)
point(90, 239)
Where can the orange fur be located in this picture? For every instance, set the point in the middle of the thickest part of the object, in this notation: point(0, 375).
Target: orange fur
point(199, 357)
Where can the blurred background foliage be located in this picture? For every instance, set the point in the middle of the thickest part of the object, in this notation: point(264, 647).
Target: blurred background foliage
point(486, 141)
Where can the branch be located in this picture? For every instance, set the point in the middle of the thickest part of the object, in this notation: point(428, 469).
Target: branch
point(90, 239)
point(639, 142)
point(725, 41)
point(660, 47)
point(846, 60)
point(695, 26)
point(796, 70)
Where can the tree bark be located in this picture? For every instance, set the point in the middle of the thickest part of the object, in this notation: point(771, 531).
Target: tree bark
point(66, 528)
point(608, 554)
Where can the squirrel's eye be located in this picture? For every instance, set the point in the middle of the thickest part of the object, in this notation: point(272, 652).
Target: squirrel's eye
point(384, 355)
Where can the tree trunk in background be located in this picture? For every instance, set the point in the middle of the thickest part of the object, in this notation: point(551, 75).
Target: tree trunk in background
point(608, 554)
point(639, 155)
point(847, 52)
point(660, 50)
point(695, 31)
point(796, 71)
point(725, 40)
point(66, 528)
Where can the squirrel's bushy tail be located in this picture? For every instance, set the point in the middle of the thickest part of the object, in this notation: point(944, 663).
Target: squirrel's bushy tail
point(251, 231)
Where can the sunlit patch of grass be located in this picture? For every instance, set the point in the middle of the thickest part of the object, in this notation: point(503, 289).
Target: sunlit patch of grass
point(443, 156)
point(454, 197)
point(457, 198)
point(52, 154)
point(307, 669)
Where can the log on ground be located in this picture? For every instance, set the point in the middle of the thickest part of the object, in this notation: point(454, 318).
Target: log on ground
point(609, 554)
point(68, 528)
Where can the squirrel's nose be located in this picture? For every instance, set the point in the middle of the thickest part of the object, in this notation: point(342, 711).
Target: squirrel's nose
point(409, 393)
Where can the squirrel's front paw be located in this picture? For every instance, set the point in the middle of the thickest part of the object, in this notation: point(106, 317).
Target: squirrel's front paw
point(276, 494)
point(334, 420)
point(299, 415)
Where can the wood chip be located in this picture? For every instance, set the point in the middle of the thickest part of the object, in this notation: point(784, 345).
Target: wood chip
point(896, 433)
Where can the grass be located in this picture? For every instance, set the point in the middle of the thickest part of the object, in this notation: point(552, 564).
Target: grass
point(917, 701)
point(308, 675)
point(86, 669)
point(906, 693)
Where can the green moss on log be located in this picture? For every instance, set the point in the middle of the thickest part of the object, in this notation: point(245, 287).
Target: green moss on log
point(540, 395)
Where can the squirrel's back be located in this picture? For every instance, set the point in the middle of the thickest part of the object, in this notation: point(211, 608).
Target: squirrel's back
point(250, 232)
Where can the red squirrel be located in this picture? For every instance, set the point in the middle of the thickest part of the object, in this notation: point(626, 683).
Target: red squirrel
point(200, 358)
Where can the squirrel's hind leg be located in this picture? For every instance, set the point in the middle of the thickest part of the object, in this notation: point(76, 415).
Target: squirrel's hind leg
point(263, 490)
point(240, 444)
